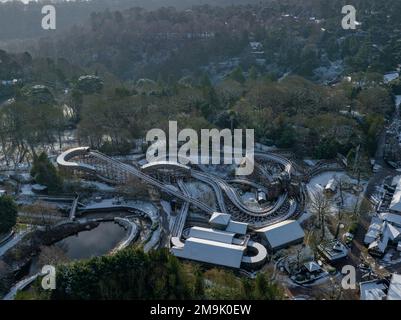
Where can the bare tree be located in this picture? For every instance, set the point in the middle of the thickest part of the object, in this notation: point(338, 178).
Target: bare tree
point(341, 185)
point(320, 206)
point(133, 188)
point(340, 215)
point(51, 255)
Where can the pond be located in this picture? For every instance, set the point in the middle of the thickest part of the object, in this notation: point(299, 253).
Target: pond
point(86, 244)
point(96, 242)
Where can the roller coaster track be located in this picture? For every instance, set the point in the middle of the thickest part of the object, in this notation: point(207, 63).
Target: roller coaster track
point(287, 164)
point(182, 216)
point(234, 197)
point(219, 184)
point(215, 186)
point(262, 216)
point(116, 164)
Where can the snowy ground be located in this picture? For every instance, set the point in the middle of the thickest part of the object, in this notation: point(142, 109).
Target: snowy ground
point(98, 185)
point(350, 198)
point(202, 192)
point(26, 190)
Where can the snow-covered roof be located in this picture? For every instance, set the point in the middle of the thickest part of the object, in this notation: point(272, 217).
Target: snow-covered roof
point(333, 250)
point(312, 266)
point(282, 233)
point(374, 230)
point(388, 77)
point(220, 219)
point(373, 244)
point(392, 218)
point(309, 162)
point(225, 254)
point(331, 185)
point(211, 234)
point(392, 231)
point(372, 290)
point(237, 227)
point(394, 291)
point(395, 204)
point(165, 163)
point(395, 180)
point(39, 187)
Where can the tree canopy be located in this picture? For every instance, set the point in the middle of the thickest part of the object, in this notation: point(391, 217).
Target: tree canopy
point(8, 214)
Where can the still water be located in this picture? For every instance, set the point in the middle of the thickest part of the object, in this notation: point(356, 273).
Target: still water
point(84, 245)
point(96, 242)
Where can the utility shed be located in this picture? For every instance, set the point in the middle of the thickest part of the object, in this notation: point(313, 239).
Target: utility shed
point(331, 186)
point(282, 234)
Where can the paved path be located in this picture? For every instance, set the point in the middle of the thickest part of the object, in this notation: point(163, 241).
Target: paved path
point(12, 242)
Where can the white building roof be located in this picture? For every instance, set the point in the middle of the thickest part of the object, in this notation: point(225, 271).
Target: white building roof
point(333, 250)
point(372, 290)
point(394, 291)
point(282, 233)
point(393, 232)
point(331, 185)
point(208, 251)
point(312, 266)
point(395, 204)
point(395, 181)
point(220, 219)
point(237, 227)
point(211, 234)
point(388, 77)
point(374, 230)
point(392, 218)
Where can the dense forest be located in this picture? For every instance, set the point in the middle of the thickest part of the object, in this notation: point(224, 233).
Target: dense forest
point(133, 274)
point(292, 113)
point(297, 37)
point(22, 21)
point(160, 63)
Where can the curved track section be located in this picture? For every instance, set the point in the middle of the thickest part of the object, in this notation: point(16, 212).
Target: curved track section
point(273, 157)
point(63, 160)
point(259, 258)
point(235, 198)
point(219, 184)
point(282, 209)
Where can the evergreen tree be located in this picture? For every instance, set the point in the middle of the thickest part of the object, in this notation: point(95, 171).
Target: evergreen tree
point(45, 173)
point(8, 214)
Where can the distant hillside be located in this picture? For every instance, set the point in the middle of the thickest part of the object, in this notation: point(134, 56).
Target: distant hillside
point(22, 21)
point(297, 37)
